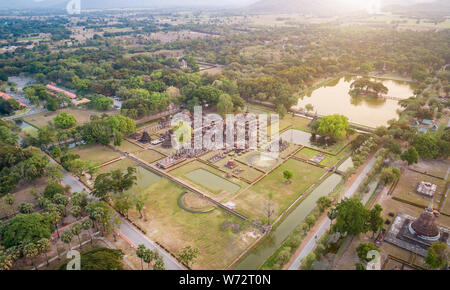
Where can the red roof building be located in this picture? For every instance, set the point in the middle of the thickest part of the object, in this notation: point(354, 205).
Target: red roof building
point(79, 102)
point(7, 97)
point(56, 89)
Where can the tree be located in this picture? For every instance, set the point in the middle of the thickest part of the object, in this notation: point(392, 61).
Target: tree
point(225, 105)
point(411, 156)
point(426, 145)
point(140, 253)
point(43, 246)
point(31, 251)
point(188, 255)
point(333, 126)
point(363, 249)
point(148, 257)
point(100, 259)
point(115, 181)
point(66, 238)
point(360, 266)
point(309, 108)
point(159, 264)
point(140, 203)
point(324, 202)
point(375, 219)
point(76, 229)
point(351, 217)
point(87, 225)
point(64, 120)
point(389, 174)
point(288, 175)
point(25, 208)
point(437, 255)
point(24, 227)
point(75, 211)
point(269, 208)
point(310, 221)
point(52, 189)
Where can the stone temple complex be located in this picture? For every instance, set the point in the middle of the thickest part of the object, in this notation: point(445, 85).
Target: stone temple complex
point(417, 235)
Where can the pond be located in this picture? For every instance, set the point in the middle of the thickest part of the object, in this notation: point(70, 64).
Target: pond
point(212, 181)
point(348, 163)
point(297, 137)
point(267, 247)
point(333, 98)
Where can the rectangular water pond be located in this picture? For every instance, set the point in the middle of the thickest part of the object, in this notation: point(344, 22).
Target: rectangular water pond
point(212, 181)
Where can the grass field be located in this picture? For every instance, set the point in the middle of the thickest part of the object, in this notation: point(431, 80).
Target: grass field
point(406, 189)
point(248, 172)
point(149, 155)
point(128, 147)
point(251, 202)
point(329, 161)
point(121, 165)
point(81, 115)
point(95, 153)
point(174, 228)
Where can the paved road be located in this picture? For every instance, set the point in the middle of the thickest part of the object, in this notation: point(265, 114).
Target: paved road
point(323, 228)
point(127, 230)
point(135, 237)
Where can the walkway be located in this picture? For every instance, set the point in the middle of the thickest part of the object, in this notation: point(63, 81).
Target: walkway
point(324, 223)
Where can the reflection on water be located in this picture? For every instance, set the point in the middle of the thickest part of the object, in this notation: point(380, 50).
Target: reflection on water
point(333, 98)
point(270, 244)
point(346, 164)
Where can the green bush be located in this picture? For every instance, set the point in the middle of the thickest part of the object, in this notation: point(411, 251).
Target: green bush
point(365, 248)
point(99, 259)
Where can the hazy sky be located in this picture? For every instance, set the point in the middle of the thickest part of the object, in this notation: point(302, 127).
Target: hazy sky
point(123, 3)
point(89, 4)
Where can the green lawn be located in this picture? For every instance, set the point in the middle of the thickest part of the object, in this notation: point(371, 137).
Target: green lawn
point(121, 165)
point(406, 189)
point(175, 228)
point(95, 153)
point(129, 147)
point(251, 202)
point(149, 156)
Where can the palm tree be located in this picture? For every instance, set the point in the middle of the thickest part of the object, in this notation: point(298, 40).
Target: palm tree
point(140, 252)
point(55, 218)
point(30, 251)
point(5, 262)
point(159, 264)
point(87, 225)
point(43, 246)
point(66, 237)
point(148, 257)
point(76, 230)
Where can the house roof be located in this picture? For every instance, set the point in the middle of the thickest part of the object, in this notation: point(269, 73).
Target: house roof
point(79, 102)
point(7, 97)
point(56, 89)
point(427, 122)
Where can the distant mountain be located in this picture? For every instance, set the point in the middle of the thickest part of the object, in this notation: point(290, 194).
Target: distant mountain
point(438, 8)
point(329, 7)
